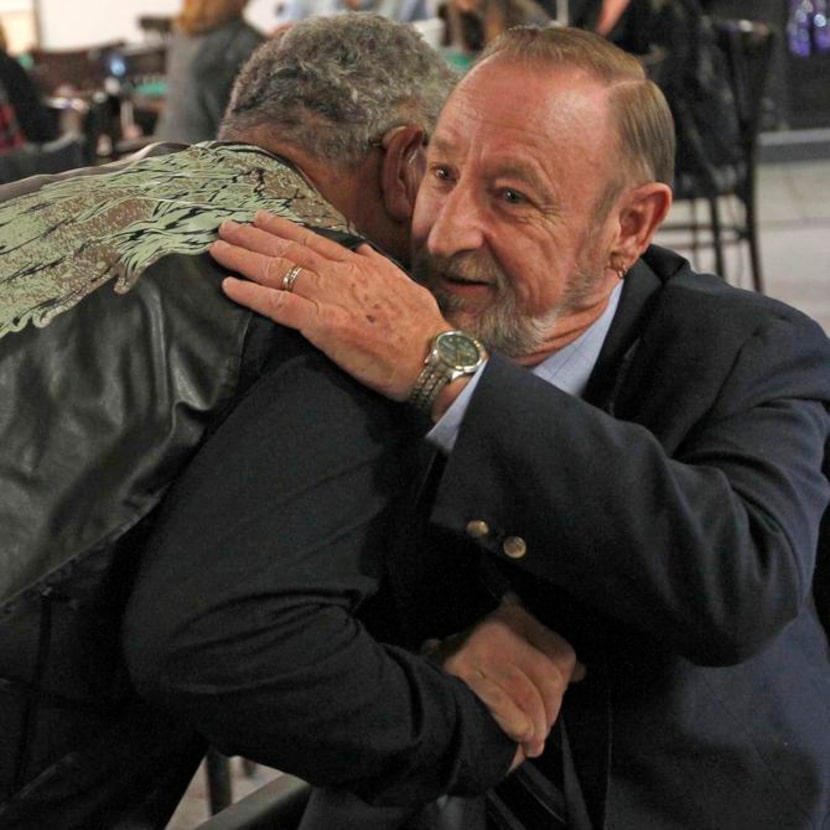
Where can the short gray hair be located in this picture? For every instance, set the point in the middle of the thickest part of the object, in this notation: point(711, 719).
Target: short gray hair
point(332, 85)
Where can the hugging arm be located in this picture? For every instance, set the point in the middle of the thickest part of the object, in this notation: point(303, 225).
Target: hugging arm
point(350, 304)
point(243, 617)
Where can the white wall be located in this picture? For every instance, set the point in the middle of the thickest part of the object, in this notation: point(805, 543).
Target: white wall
point(66, 24)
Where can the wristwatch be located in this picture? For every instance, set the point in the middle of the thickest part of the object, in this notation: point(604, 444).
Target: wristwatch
point(453, 354)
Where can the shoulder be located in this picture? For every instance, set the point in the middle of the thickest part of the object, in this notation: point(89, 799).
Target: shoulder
point(706, 329)
point(705, 302)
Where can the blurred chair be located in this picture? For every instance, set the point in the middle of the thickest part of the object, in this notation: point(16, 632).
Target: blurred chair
point(90, 115)
point(136, 64)
point(65, 153)
point(74, 119)
point(747, 48)
point(433, 31)
point(110, 82)
point(278, 805)
point(136, 77)
point(73, 83)
point(156, 27)
point(72, 71)
point(219, 778)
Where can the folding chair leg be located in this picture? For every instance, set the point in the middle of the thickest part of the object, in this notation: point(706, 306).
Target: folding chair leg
point(218, 769)
point(717, 237)
point(755, 260)
point(754, 247)
point(694, 228)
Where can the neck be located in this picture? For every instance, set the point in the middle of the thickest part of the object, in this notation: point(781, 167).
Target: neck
point(354, 192)
point(565, 330)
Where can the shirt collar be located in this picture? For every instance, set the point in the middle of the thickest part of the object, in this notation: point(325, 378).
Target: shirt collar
point(570, 367)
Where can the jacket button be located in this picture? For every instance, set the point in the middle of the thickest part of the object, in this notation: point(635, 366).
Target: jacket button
point(515, 547)
point(477, 529)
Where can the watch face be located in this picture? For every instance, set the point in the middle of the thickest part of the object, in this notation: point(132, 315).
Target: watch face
point(459, 349)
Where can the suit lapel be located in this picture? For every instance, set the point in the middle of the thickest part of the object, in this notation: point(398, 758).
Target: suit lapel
point(639, 292)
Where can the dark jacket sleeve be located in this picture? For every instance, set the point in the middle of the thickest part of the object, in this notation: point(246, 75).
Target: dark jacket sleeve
point(692, 515)
point(243, 619)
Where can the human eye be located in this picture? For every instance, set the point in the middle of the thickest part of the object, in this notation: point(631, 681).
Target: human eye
point(513, 197)
point(442, 173)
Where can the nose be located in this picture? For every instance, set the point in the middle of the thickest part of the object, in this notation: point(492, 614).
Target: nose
point(458, 225)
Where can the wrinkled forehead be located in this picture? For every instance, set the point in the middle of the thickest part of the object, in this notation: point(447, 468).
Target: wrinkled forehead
point(554, 103)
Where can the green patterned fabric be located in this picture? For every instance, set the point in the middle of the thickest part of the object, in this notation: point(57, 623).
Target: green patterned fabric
point(69, 237)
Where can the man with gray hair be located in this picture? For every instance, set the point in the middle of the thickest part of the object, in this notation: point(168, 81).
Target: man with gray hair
point(120, 366)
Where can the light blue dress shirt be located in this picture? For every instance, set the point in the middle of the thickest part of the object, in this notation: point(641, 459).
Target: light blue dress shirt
point(568, 370)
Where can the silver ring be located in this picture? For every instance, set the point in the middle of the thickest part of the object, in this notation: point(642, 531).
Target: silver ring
point(290, 278)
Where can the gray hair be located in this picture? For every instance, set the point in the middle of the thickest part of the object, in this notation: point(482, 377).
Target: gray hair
point(333, 85)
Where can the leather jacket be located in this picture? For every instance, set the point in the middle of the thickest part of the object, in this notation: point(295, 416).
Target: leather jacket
point(107, 387)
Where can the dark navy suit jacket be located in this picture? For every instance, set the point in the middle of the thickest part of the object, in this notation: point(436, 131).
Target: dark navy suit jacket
point(670, 522)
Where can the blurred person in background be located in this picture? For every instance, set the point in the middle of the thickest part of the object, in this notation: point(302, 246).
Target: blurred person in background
point(211, 42)
point(405, 11)
point(11, 136)
point(24, 98)
point(472, 24)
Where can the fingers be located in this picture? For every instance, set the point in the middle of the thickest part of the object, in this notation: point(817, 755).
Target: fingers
point(260, 256)
point(555, 647)
point(496, 677)
point(287, 233)
point(520, 669)
point(349, 304)
point(548, 659)
point(510, 714)
point(276, 236)
point(511, 677)
point(265, 251)
point(279, 306)
point(265, 257)
point(518, 759)
point(269, 271)
point(513, 700)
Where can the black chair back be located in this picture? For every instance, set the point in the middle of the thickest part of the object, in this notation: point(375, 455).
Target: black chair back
point(278, 805)
point(72, 71)
point(746, 48)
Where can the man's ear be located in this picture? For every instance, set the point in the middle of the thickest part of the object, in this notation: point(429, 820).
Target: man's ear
point(404, 163)
point(642, 211)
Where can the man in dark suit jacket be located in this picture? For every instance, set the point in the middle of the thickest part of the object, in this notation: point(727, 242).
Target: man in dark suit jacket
point(652, 488)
